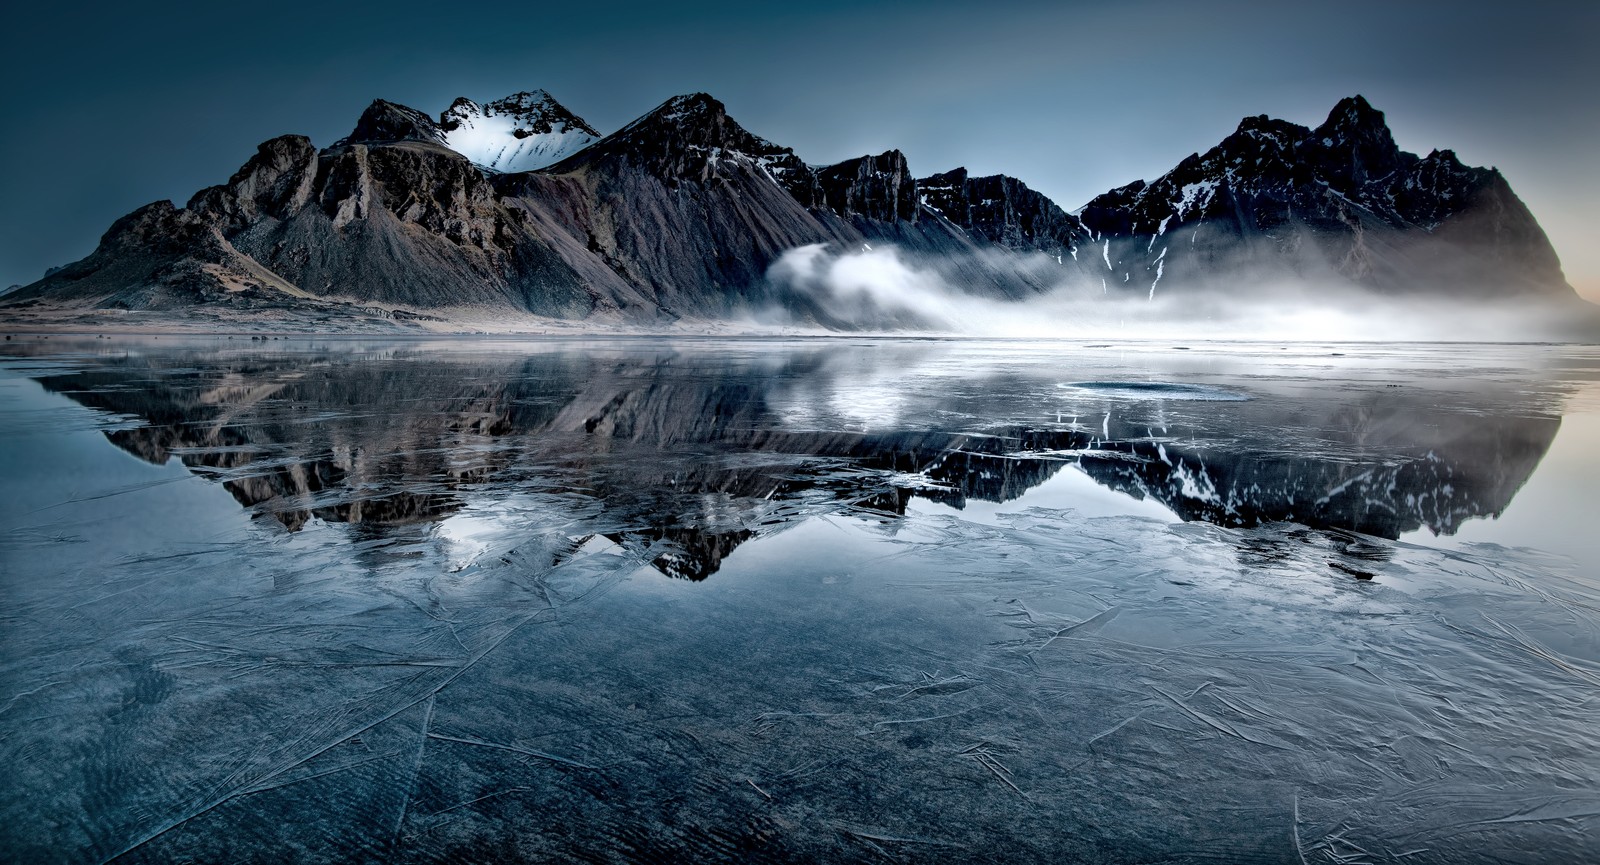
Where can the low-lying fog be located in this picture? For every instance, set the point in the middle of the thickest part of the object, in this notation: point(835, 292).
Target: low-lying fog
point(884, 287)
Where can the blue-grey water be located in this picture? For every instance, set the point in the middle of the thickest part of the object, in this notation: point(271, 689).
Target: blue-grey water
point(645, 600)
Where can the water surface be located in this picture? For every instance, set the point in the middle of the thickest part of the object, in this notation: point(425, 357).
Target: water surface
point(632, 600)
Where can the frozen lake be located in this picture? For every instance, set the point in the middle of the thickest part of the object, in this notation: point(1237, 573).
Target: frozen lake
point(648, 600)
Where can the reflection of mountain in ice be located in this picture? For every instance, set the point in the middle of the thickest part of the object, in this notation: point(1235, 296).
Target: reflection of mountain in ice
point(687, 446)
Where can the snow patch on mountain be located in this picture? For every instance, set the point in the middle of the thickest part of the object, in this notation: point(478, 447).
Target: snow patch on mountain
point(523, 132)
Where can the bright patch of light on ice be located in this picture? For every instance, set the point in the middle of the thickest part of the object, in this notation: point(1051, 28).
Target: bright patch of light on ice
point(867, 405)
point(466, 537)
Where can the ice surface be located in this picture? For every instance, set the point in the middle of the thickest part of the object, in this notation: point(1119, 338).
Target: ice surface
point(1157, 390)
point(746, 601)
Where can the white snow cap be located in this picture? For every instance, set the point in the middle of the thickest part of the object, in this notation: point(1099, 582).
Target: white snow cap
point(521, 132)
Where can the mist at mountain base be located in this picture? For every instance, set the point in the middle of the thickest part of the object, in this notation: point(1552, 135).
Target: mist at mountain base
point(881, 287)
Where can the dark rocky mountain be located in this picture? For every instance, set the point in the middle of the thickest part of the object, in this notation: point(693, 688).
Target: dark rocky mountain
point(385, 121)
point(1003, 211)
point(1277, 200)
point(680, 214)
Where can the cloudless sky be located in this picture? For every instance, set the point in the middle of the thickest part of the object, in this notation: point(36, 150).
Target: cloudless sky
point(111, 106)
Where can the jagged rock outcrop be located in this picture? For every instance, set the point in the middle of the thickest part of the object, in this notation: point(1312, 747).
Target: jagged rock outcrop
point(878, 188)
point(160, 257)
point(1340, 202)
point(1003, 211)
point(385, 121)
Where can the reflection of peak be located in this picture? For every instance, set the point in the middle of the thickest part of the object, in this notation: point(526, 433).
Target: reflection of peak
point(691, 554)
point(1437, 487)
point(689, 460)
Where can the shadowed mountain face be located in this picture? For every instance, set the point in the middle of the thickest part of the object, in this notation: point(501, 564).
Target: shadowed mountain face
point(518, 205)
point(1276, 200)
point(688, 452)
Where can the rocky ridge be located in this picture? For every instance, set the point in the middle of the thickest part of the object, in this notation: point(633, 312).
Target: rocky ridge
point(680, 214)
point(1279, 200)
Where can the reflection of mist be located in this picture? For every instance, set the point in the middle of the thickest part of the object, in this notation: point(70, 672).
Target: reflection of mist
point(885, 288)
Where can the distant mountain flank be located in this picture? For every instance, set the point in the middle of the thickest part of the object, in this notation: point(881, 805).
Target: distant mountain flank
point(518, 206)
point(1341, 199)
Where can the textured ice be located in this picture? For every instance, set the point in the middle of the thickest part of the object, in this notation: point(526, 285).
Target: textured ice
point(644, 601)
point(1158, 390)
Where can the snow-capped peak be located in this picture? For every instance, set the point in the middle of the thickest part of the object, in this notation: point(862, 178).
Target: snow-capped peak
point(521, 132)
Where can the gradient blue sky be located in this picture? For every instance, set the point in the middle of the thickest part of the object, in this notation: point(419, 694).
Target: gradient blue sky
point(110, 106)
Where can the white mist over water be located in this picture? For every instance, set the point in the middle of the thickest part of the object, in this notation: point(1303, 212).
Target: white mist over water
point(883, 287)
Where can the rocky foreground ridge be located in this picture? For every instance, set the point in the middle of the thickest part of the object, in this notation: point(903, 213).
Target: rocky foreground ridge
point(518, 206)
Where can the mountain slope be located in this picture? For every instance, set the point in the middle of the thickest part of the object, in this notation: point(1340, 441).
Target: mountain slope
point(685, 204)
point(1276, 201)
point(518, 207)
point(402, 223)
point(1003, 211)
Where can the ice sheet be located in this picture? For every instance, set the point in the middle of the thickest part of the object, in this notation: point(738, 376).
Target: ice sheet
point(641, 601)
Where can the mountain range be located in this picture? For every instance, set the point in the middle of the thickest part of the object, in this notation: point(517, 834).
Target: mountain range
point(517, 209)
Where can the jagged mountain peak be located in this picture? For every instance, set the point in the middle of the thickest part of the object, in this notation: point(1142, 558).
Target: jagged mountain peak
point(525, 131)
point(523, 100)
point(873, 187)
point(1354, 145)
point(1261, 128)
point(1445, 158)
point(385, 121)
point(683, 136)
point(695, 118)
point(1002, 210)
point(1264, 155)
point(1341, 199)
point(689, 105)
point(682, 211)
point(951, 178)
point(534, 112)
point(1353, 114)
